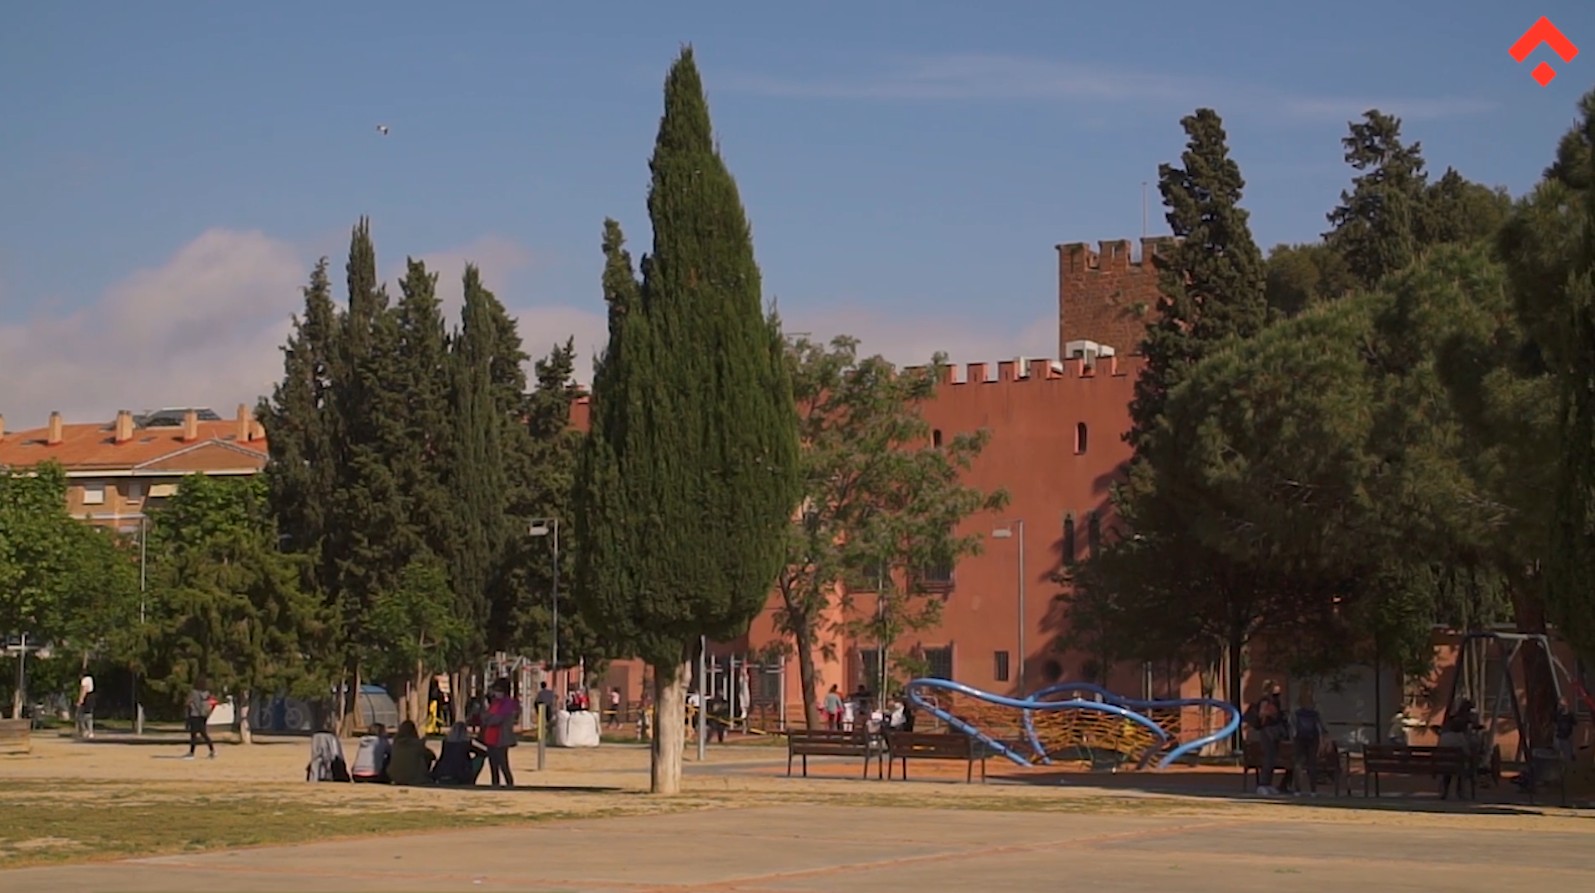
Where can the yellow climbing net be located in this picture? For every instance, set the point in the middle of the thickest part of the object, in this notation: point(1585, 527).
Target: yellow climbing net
point(1064, 733)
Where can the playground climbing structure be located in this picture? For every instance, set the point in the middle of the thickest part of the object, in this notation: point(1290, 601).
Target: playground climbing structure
point(1070, 720)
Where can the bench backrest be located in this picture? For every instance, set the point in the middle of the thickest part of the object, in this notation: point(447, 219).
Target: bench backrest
point(930, 744)
point(827, 736)
point(1375, 756)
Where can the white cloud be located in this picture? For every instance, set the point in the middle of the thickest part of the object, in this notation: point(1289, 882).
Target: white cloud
point(965, 76)
point(200, 329)
point(204, 328)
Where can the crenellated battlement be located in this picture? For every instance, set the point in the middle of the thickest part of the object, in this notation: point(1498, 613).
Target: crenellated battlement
point(1112, 255)
point(1030, 370)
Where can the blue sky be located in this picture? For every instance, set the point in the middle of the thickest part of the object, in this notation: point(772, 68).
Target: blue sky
point(168, 171)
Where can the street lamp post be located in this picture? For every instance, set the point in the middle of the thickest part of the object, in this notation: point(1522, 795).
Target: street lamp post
point(1017, 533)
point(549, 527)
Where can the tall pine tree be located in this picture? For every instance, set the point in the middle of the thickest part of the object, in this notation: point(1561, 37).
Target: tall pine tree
point(1213, 291)
point(1376, 226)
point(691, 471)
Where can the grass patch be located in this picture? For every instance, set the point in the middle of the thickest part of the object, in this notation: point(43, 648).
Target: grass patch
point(46, 822)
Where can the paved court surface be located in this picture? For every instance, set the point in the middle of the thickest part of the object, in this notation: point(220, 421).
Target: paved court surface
point(818, 849)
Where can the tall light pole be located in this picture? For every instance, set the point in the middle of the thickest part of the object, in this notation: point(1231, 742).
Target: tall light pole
point(143, 579)
point(549, 527)
point(1017, 533)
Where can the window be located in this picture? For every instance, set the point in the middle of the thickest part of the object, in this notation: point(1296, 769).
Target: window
point(935, 438)
point(939, 662)
point(1070, 552)
point(1079, 438)
point(1000, 671)
point(158, 491)
point(765, 683)
point(93, 494)
point(1093, 533)
point(870, 577)
point(135, 491)
point(939, 574)
point(869, 668)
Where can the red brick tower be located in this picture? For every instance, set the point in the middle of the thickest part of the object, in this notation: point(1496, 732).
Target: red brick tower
point(1105, 295)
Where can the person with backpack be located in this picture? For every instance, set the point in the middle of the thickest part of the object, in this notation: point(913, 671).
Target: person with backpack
point(1310, 736)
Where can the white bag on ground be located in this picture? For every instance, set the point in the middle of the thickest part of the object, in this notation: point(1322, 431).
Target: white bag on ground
point(579, 729)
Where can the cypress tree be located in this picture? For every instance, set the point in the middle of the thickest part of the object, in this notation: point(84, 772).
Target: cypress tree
point(478, 473)
point(301, 424)
point(690, 472)
point(423, 443)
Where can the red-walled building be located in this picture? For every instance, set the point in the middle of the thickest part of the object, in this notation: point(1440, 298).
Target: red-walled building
point(1057, 444)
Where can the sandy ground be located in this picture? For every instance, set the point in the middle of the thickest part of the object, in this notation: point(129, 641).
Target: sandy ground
point(596, 780)
point(742, 827)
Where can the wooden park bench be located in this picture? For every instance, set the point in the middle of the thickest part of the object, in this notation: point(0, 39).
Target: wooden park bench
point(1333, 765)
point(805, 743)
point(16, 735)
point(1398, 759)
point(907, 746)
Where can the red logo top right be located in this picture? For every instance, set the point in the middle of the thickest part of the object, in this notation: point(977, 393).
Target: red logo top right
point(1543, 31)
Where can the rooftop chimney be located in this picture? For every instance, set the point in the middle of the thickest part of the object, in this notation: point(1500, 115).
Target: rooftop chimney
point(124, 427)
point(243, 424)
point(190, 426)
point(53, 437)
point(2, 427)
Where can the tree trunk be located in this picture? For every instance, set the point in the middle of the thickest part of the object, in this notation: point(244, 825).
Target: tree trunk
point(245, 736)
point(1233, 649)
point(353, 720)
point(670, 726)
point(420, 690)
point(1539, 681)
point(804, 640)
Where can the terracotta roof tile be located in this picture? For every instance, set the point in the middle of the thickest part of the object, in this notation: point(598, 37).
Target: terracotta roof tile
point(87, 447)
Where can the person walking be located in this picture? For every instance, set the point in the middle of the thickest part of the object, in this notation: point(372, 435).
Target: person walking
point(200, 705)
point(85, 725)
point(498, 732)
point(833, 709)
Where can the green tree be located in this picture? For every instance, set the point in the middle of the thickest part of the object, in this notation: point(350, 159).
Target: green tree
point(1376, 226)
point(1213, 292)
point(1549, 245)
point(1457, 210)
point(880, 502)
point(62, 582)
point(224, 603)
point(690, 471)
point(303, 437)
point(479, 477)
point(423, 630)
point(544, 458)
point(1301, 276)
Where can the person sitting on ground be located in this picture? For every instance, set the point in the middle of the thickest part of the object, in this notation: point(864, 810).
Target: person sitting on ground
point(371, 760)
point(326, 756)
point(461, 761)
point(411, 762)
